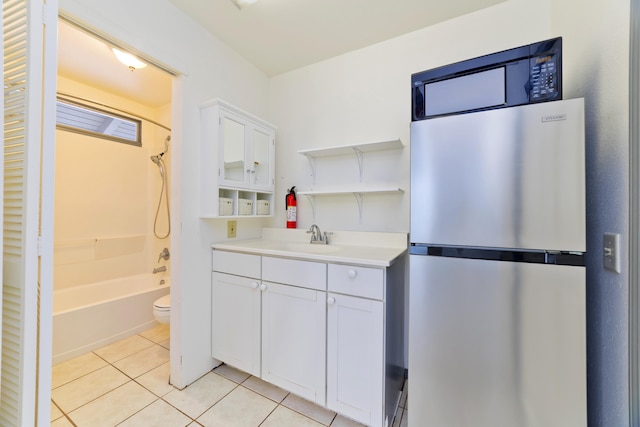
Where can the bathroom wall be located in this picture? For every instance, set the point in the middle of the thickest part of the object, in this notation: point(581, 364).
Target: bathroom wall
point(106, 198)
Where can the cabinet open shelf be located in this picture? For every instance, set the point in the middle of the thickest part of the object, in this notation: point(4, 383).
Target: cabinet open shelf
point(240, 203)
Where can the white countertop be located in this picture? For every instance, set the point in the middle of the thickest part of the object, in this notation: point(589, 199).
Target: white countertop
point(372, 249)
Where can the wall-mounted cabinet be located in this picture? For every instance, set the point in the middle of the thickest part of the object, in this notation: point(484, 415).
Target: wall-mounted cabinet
point(358, 189)
point(237, 162)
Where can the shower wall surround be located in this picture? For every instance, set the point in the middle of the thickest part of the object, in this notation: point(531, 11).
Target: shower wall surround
point(106, 194)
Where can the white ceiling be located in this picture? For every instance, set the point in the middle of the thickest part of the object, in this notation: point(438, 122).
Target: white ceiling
point(275, 35)
point(282, 35)
point(89, 60)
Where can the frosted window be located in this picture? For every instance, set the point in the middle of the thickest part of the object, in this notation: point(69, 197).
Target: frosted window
point(89, 121)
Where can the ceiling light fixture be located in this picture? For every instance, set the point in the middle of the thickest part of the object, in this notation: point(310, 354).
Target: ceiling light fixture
point(241, 3)
point(128, 59)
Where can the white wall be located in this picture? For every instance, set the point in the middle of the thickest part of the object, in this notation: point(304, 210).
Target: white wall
point(106, 195)
point(365, 95)
point(209, 69)
point(596, 62)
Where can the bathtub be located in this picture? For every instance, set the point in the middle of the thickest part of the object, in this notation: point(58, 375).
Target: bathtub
point(91, 316)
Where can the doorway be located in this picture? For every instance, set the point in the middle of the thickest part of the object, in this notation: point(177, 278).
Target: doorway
point(112, 226)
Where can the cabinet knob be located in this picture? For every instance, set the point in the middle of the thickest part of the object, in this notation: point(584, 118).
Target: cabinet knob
point(254, 285)
point(352, 273)
point(263, 286)
point(331, 300)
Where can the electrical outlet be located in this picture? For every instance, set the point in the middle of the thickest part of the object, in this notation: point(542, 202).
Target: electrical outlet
point(611, 252)
point(232, 227)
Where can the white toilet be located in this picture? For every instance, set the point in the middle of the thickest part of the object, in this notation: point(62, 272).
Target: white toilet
point(162, 309)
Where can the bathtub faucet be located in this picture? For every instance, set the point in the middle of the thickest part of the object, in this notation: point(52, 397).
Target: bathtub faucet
point(164, 255)
point(160, 269)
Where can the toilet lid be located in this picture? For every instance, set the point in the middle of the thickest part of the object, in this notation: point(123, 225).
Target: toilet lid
point(163, 302)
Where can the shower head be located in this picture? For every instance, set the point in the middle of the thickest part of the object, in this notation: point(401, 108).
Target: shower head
point(158, 158)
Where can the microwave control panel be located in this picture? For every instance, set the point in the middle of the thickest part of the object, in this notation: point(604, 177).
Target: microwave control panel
point(544, 78)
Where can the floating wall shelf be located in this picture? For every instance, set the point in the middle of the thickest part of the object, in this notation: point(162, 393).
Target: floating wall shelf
point(357, 149)
point(357, 190)
point(358, 193)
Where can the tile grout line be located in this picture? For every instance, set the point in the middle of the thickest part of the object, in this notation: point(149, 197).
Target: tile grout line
point(83, 375)
point(108, 363)
point(268, 415)
point(139, 410)
point(402, 410)
point(217, 401)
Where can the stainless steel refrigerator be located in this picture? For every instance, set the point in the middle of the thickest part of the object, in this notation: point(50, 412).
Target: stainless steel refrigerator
point(497, 332)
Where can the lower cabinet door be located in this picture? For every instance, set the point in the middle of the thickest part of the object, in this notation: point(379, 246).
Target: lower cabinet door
point(355, 358)
point(293, 340)
point(235, 318)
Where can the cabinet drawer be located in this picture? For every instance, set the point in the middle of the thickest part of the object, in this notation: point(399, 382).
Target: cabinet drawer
point(235, 263)
point(306, 274)
point(357, 281)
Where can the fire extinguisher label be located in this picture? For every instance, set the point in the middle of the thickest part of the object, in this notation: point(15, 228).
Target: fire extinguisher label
point(291, 213)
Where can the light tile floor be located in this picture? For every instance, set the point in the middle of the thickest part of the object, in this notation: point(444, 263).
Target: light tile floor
point(126, 384)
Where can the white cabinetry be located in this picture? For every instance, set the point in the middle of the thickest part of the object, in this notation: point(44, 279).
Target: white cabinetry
point(236, 321)
point(293, 326)
point(358, 189)
point(293, 340)
point(268, 328)
point(237, 162)
point(356, 356)
point(235, 310)
point(330, 333)
point(355, 337)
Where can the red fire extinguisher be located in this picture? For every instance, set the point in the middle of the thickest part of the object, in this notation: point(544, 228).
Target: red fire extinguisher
point(291, 208)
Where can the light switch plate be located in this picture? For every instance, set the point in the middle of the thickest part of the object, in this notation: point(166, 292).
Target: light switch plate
point(232, 228)
point(611, 251)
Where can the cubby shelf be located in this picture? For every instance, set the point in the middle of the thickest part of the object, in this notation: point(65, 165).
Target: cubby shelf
point(237, 169)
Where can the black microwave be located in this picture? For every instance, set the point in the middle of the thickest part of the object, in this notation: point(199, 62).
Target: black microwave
point(523, 75)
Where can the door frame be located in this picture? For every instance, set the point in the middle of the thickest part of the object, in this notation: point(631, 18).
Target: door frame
point(634, 215)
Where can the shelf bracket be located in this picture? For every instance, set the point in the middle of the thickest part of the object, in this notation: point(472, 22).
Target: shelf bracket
point(312, 162)
point(359, 156)
point(359, 199)
point(312, 202)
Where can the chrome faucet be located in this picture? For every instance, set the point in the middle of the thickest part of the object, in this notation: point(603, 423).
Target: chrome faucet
point(164, 255)
point(317, 236)
point(160, 269)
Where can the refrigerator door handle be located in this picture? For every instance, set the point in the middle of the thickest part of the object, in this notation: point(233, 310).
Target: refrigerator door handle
point(500, 254)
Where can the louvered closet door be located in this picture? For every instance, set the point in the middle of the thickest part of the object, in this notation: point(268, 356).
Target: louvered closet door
point(29, 48)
